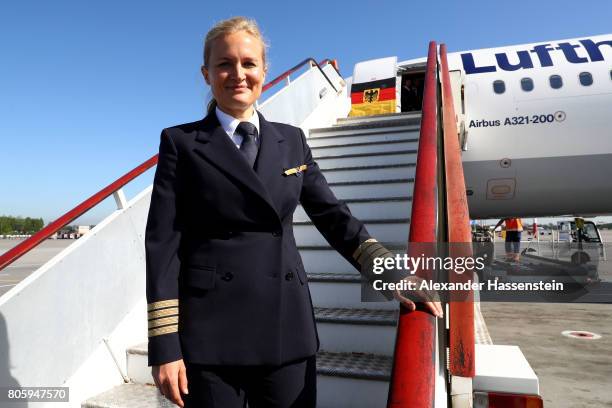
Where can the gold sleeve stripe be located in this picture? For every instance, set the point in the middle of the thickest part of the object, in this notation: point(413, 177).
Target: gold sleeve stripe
point(163, 312)
point(162, 322)
point(162, 303)
point(364, 244)
point(163, 330)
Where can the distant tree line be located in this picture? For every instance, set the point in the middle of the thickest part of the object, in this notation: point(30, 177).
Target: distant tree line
point(19, 225)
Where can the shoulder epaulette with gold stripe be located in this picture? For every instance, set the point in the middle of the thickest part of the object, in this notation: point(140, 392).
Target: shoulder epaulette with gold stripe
point(163, 317)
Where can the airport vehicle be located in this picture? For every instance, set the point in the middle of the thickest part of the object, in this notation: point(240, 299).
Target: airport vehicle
point(389, 169)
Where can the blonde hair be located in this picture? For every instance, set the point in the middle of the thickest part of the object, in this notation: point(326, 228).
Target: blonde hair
point(230, 26)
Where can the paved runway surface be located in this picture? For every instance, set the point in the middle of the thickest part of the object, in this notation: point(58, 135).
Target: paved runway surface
point(573, 373)
point(33, 260)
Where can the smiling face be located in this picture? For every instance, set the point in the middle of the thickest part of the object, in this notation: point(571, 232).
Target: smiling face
point(235, 72)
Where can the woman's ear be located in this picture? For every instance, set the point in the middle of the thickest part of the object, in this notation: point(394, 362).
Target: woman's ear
point(204, 71)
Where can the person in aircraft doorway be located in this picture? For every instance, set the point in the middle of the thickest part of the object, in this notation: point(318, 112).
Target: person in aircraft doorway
point(229, 309)
point(409, 96)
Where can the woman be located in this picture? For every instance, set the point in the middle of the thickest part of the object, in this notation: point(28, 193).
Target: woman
point(222, 263)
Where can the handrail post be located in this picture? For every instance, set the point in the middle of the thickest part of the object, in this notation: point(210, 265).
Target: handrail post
point(413, 374)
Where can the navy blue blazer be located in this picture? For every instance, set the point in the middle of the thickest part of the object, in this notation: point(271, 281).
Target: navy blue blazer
point(225, 281)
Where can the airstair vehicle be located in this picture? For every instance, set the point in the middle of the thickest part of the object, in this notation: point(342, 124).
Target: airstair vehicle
point(79, 321)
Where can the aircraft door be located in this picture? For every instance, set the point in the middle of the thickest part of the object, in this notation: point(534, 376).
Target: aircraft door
point(456, 80)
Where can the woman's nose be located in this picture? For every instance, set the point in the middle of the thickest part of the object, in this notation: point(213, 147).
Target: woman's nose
point(238, 72)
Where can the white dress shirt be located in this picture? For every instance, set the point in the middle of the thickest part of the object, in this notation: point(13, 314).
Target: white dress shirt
point(230, 123)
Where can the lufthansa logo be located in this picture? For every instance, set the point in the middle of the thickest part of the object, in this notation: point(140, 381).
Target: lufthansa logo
point(371, 95)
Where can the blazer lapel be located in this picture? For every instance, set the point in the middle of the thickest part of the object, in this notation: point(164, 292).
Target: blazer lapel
point(270, 160)
point(216, 147)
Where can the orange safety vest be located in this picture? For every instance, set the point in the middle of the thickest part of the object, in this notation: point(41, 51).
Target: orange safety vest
point(514, 224)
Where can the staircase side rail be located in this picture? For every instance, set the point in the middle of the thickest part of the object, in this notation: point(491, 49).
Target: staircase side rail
point(461, 313)
point(24, 247)
point(413, 374)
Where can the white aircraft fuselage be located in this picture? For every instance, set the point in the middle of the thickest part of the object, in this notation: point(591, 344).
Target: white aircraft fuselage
point(537, 120)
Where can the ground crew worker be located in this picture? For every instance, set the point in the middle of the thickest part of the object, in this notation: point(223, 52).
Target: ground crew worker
point(514, 228)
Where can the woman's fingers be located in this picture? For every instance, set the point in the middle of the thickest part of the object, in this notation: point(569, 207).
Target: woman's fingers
point(183, 379)
point(173, 392)
point(433, 306)
point(155, 374)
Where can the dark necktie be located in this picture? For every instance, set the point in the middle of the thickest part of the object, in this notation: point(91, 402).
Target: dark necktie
point(250, 141)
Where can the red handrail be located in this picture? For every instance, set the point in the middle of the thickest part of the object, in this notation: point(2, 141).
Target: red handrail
point(461, 313)
point(298, 66)
point(413, 375)
point(22, 248)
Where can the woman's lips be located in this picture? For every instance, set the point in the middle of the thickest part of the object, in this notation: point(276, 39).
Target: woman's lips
point(237, 88)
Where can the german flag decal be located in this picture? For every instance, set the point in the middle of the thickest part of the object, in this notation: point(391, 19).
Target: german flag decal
point(373, 98)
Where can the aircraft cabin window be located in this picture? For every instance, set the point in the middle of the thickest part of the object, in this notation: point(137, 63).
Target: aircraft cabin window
point(555, 81)
point(527, 84)
point(586, 78)
point(499, 87)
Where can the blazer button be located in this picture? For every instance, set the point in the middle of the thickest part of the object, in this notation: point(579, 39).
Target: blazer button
point(276, 233)
point(289, 276)
point(228, 276)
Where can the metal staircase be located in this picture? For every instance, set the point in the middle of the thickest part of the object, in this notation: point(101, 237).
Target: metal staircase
point(369, 163)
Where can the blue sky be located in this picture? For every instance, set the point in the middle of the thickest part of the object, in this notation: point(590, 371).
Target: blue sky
point(85, 87)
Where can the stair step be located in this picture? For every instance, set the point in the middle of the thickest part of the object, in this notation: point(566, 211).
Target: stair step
point(365, 148)
point(396, 139)
point(397, 133)
point(349, 277)
point(354, 365)
point(365, 221)
point(344, 161)
point(347, 190)
point(366, 173)
point(356, 330)
point(356, 316)
point(364, 155)
point(395, 230)
point(372, 126)
point(327, 135)
point(373, 210)
point(343, 290)
point(324, 259)
point(352, 380)
point(379, 118)
point(129, 396)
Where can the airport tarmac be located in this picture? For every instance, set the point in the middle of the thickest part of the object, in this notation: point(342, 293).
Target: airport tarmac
point(573, 373)
point(30, 262)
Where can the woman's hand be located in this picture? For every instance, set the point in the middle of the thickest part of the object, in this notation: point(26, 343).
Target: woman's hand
point(371, 249)
point(428, 297)
point(169, 379)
